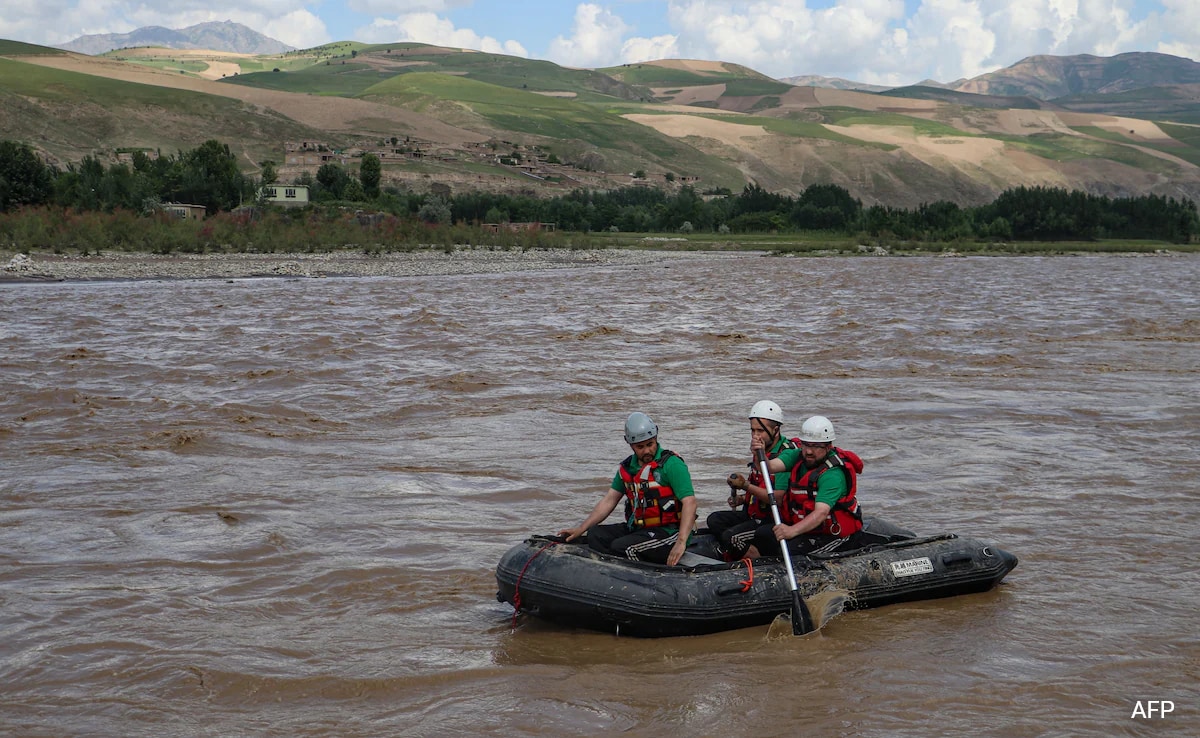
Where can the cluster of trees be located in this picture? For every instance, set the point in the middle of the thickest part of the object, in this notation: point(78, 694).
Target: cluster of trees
point(1022, 214)
point(209, 175)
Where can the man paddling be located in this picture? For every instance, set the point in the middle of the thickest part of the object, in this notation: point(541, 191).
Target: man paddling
point(660, 504)
point(822, 497)
point(743, 533)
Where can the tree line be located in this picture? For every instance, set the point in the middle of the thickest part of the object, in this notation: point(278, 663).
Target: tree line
point(209, 175)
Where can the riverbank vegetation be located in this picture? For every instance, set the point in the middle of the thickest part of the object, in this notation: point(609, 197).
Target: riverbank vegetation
point(89, 207)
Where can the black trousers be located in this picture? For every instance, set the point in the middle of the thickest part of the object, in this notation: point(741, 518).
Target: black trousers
point(644, 544)
point(808, 545)
point(736, 530)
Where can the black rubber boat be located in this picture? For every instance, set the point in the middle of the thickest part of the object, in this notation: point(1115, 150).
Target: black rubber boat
point(571, 585)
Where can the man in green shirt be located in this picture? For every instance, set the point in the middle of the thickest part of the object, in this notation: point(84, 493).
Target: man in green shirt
point(822, 514)
point(660, 503)
point(744, 533)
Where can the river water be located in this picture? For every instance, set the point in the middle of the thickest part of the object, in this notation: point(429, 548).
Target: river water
point(274, 507)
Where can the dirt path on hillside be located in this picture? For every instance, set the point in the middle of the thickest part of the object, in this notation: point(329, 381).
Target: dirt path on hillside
point(217, 70)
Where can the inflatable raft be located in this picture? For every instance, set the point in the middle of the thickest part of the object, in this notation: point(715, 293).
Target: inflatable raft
point(572, 585)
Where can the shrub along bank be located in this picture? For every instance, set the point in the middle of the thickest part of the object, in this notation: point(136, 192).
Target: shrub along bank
point(91, 207)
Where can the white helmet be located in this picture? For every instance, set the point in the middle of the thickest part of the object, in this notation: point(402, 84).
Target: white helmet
point(817, 429)
point(768, 410)
point(639, 427)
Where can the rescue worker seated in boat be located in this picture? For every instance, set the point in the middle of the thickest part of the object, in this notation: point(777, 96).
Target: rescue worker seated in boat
point(751, 527)
point(821, 513)
point(660, 504)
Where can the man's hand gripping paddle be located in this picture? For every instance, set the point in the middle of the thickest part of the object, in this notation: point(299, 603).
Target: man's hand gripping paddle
point(801, 618)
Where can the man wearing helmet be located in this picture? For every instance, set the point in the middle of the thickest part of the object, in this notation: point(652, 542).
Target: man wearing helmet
point(660, 504)
point(746, 532)
point(821, 514)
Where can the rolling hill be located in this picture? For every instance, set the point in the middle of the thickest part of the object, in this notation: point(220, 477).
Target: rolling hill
point(488, 121)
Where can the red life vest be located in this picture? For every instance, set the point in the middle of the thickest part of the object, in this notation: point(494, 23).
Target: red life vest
point(755, 508)
point(844, 519)
point(648, 502)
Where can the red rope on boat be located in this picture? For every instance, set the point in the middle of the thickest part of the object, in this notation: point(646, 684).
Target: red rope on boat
point(517, 585)
point(748, 583)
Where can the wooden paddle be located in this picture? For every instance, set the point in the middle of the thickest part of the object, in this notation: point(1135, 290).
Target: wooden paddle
point(802, 622)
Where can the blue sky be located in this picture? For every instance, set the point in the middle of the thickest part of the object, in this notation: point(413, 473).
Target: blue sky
point(890, 42)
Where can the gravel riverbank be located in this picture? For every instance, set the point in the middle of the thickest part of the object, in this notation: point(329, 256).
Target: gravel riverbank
point(131, 266)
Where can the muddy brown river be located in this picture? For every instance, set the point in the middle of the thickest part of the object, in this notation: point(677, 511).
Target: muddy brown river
point(273, 507)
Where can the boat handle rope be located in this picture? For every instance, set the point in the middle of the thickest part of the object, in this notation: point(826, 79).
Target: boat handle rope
point(749, 581)
point(517, 585)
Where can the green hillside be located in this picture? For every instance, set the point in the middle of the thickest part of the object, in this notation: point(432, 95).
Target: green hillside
point(353, 71)
point(554, 122)
point(70, 115)
point(20, 48)
point(1179, 104)
point(343, 78)
point(920, 92)
point(576, 127)
point(659, 75)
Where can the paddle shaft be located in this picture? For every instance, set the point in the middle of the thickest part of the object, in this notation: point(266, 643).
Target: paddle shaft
point(801, 618)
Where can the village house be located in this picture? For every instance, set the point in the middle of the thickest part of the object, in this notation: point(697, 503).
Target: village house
point(311, 154)
point(126, 157)
point(184, 211)
point(529, 226)
point(292, 195)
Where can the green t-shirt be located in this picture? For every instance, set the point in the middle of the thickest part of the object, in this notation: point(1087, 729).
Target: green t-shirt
point(832, 485)
point(672, 473)
point(779, 481)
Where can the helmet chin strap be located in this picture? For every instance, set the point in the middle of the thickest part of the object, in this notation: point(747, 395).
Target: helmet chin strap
point(772, 433)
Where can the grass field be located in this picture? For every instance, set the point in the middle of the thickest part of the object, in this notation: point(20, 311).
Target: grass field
point(52, 84)
point(754, 88)
point(52, 106)
point(840, 116)
point(67, 115)
point(190, 66)
point(655, 75)
point(19, 48)
point(546, 118)
point(349, 75)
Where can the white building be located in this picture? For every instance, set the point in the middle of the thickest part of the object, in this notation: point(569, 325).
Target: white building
point(291, 195)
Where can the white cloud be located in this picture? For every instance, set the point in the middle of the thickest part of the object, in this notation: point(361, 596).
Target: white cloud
point(636, 50)
point(1179, 27)
point(595, 37)
point(951, 39)
point(404, 7)
point(880, 41)
point(785, 38)
point(298, 28)
point(429, 28)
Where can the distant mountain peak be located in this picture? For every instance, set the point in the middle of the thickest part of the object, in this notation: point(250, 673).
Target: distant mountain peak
point(216, 35)
point(1049, 77)
point(833, 83)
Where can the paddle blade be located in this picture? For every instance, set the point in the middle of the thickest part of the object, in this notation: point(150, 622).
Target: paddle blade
point(824, 606)
point(802, 622)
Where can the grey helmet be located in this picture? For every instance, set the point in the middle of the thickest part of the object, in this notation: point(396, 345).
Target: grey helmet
point(639, 427)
